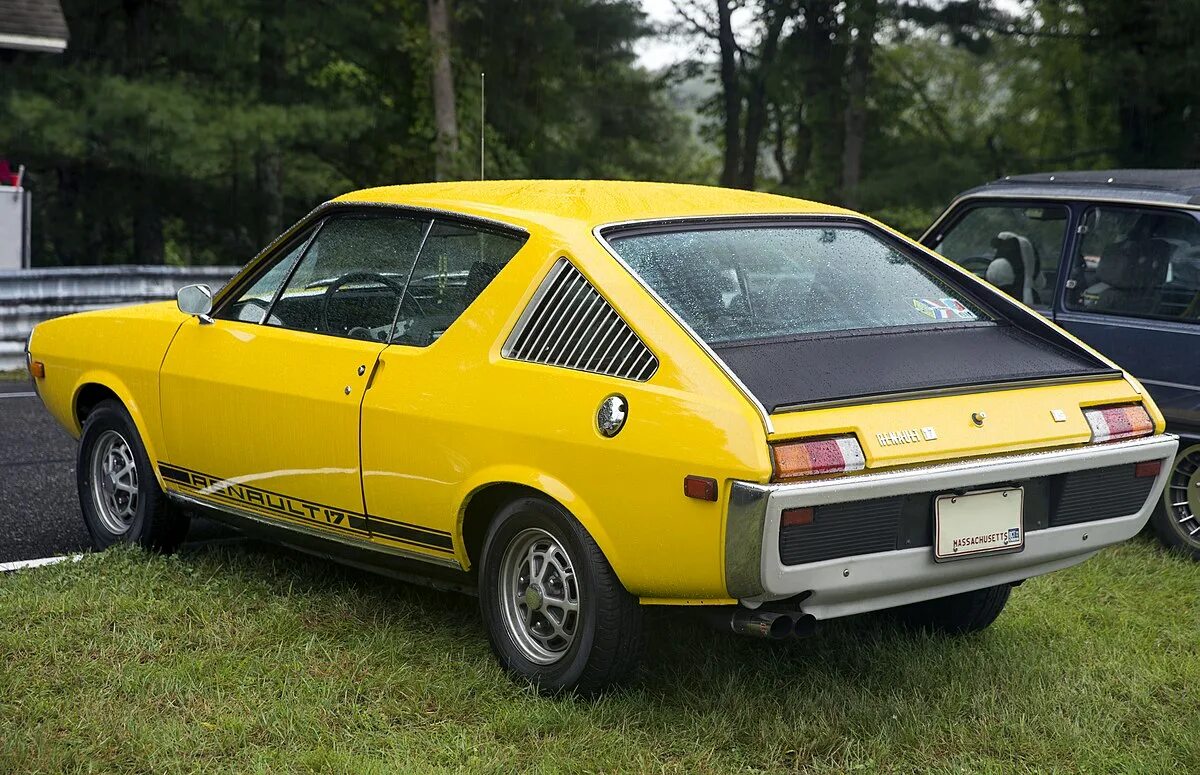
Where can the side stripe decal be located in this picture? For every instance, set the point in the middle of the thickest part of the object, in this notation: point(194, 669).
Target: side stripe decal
point(298, 510)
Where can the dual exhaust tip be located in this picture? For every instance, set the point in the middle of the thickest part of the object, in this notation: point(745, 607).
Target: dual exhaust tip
point(770, 625)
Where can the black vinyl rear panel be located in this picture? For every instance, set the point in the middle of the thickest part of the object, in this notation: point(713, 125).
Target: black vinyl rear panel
point(813, 369)
point(906, 521)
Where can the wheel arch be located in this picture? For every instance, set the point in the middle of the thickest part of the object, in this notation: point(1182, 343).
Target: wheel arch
point(94, 387)
point(489, 494)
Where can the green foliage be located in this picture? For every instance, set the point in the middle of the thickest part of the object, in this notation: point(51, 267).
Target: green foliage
point(152, 138)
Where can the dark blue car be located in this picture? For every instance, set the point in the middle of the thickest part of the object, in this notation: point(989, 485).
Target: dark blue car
point(1114, 257)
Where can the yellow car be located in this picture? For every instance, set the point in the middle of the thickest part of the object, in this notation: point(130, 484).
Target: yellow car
point(580, 398)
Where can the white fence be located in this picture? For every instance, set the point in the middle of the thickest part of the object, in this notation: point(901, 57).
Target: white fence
point(30, 296)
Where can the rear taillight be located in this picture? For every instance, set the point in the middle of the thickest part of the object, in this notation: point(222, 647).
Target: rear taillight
point(1109, 423)
point(810, 457)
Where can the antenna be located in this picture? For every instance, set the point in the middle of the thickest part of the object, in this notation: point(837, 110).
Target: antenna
point(483, 101)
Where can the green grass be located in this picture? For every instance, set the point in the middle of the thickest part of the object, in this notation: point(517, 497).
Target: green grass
point(14, 375)
point(250, 659)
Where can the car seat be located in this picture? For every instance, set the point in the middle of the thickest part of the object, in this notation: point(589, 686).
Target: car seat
point(1016, 268)
point(1130, 274)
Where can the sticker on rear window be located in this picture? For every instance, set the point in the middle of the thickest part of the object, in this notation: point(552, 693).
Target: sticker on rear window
point(944, 309)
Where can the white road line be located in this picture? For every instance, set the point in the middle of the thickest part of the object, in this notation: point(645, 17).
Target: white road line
point(19, 395)
point(6, 567)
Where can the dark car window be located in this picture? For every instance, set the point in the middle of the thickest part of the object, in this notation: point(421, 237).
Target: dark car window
point(352, 277)
point(456, 263)
point(252, 304)
point(738, 283)
point(1017, 248)
point(1137, 262)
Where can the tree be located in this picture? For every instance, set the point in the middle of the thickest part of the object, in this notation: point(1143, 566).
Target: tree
point(444, 111)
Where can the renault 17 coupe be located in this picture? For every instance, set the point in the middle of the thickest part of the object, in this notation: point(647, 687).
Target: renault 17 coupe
point(575, 399)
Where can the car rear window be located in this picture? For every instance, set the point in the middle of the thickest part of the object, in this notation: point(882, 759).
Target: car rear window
point(743, 283)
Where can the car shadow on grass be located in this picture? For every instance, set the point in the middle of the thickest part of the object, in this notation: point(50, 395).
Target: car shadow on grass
point(685, 661)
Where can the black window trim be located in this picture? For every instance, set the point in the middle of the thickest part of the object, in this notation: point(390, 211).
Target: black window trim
point(923, 261)
point(264, 260)
point(1002, 307)
point(1088, 206)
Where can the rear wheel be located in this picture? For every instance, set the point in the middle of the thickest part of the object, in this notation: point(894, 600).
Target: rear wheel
point(555, 612)
point(957, 614)
point(1176, 521)
point(118, 493)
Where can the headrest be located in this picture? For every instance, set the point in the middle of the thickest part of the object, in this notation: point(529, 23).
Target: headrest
point(1134, 264)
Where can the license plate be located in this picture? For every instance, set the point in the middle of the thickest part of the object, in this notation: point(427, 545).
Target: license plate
point(975, 523)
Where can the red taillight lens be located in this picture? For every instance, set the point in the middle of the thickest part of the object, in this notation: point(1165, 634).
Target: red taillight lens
point(1109, 423)
point(817, 456)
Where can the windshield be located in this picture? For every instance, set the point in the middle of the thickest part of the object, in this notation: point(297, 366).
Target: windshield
point(742, 283)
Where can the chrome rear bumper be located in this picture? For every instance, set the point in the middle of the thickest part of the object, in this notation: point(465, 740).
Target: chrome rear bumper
point(754, 572)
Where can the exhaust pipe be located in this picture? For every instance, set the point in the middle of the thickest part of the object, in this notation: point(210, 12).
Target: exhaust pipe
point(756, 624)
point(804, 626)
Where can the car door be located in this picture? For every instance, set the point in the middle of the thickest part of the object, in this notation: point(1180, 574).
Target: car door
point(261, 405)
point(1133, 293)
point(1016, 245)
point(429, 393)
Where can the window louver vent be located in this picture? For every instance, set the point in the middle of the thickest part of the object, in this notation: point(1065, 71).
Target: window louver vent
point(569, 324)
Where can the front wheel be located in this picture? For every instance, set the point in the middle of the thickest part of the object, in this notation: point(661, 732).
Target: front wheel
point(957, 614)
point(1176, 521)
point(118, 493)
point(555, 612)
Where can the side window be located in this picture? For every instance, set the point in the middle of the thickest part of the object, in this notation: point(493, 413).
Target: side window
point(456, 263)
point(351, 278)
point(1143, 263)
point(1017, 248)
point(253, 304)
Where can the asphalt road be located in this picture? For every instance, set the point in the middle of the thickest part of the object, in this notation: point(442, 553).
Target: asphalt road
point(39, 505)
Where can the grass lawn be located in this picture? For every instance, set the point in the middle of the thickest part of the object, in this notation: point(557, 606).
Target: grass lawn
point(252, 659)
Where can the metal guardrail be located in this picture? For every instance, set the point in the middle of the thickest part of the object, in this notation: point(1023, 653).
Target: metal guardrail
point(27, 297)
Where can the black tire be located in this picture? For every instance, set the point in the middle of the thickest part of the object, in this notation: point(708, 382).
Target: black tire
point(152, 521)
point(1178, 511)
point(607, 627)
point(957, 614)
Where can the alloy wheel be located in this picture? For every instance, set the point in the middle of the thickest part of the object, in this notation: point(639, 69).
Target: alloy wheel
point(1182, 494)
point(539, 596)
point(114, 482)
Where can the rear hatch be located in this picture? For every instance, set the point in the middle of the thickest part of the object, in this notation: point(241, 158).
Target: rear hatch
point(829, 313)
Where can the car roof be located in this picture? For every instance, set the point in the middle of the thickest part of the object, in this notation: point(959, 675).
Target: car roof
point(571, 204)
point(1131, 185)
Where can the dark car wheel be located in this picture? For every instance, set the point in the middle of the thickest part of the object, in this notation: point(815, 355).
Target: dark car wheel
point(118, 493)
point(555, 612)
point(957, 614)
point(1176, 521)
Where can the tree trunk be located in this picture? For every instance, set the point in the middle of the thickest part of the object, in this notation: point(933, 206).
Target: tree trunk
point(732, 92)
point(864, 16)
point(823, 97)
point(756, 109)
point(444, 116)
point(268, 162)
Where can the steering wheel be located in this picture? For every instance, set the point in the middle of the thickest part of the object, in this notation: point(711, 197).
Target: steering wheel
point(337, 284)
point(977, 265)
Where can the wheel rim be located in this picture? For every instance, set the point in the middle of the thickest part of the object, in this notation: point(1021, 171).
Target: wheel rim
point(539, 596)
point(114, 482)
point(1182, 494)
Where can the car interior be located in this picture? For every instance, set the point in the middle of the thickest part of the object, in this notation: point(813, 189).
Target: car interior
point(1139, 263)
